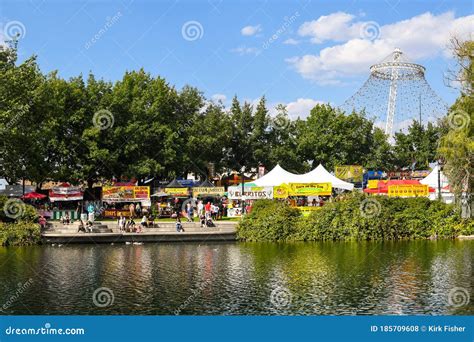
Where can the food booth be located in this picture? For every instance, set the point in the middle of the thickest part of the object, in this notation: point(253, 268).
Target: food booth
point(400, 188)
point(66, 200)
point(119, 198)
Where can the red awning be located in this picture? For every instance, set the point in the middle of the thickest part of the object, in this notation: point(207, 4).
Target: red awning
point(33, 195)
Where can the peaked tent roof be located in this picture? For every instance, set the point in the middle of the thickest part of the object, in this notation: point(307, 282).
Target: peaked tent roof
point(432, 179)
point(174, 184)
point(277, 176)
point(206, 184)
point(321, 175)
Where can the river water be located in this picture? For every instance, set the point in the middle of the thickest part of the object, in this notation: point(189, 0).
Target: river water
point(333, 278)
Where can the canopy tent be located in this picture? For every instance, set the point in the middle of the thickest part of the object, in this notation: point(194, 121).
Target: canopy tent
point(160, 194)
point(276, 177)
point(321, 175)
point(432, 180)
point(206, 184)
point(174, 184)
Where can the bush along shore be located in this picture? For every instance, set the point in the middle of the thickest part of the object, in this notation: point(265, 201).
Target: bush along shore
point(355, 217)
point(18, 223)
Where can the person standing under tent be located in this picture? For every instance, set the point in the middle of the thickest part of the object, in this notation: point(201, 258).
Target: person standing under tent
point(200, 208)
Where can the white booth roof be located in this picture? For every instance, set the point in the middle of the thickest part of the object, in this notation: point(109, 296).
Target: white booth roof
point(321, 175)
point(432, 179)
point(278, 176)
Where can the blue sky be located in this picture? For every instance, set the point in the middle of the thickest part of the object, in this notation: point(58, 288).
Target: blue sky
point(294, 52)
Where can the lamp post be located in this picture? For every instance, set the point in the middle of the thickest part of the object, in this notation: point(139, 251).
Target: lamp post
point(23, 169)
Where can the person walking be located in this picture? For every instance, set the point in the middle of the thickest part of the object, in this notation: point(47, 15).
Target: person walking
point(190, 212)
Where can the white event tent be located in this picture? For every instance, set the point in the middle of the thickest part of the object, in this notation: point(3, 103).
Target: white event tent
point(321, 175)
point(432, 181)
point(278, 176)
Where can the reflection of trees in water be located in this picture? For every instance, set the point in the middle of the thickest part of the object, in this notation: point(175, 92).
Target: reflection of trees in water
point(323, 278)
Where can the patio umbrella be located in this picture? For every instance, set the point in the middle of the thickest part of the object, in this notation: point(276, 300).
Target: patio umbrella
point(33, 195)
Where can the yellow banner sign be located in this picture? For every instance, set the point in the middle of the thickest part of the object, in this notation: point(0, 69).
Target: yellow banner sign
point(352, 173)
point(177, 192)
point(280, 191)
point(310, 189)
point(127, 193)
point(373, 184)
point(210, 191)
point(408, 190)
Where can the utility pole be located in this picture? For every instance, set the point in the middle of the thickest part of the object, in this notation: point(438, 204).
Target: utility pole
point(439, 179)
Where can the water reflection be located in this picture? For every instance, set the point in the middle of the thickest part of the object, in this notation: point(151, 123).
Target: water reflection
point(238, 278)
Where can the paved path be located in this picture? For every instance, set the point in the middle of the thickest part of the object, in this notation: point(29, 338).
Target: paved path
point(165, 232)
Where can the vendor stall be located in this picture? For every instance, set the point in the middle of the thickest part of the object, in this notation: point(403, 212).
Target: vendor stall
point(126, 200)
point(400, 188)
point(66, 201)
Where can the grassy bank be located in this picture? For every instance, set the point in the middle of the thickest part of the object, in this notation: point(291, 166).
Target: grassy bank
point(18, 223)
point(356, 217)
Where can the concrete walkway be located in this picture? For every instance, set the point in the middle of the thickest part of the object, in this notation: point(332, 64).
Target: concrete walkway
point(165, 232)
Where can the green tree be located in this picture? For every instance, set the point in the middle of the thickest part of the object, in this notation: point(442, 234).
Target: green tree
point(457, 145)
point(333, 138)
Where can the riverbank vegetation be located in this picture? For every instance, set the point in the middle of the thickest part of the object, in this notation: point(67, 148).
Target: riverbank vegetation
point(355, 217)
point(18, 223)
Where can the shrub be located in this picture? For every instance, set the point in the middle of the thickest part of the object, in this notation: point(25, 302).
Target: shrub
point(19, 229)
point(357, 217)
point(19, 234)
point(269, 221)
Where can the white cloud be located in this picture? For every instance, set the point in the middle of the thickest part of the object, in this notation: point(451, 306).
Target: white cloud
point(336, 26)
point(250, 30)
point(366, 43)
point(301, 107)
point(244, 50)
point(291, 41)
point(219, 97)
point(296, 109)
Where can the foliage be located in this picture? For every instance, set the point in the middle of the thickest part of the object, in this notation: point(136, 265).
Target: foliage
point(26, 212)
point(355, 217)
point(21, 230)
point(457, 144)
point(417, 147)
point(19, 234)
point(269, 221)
